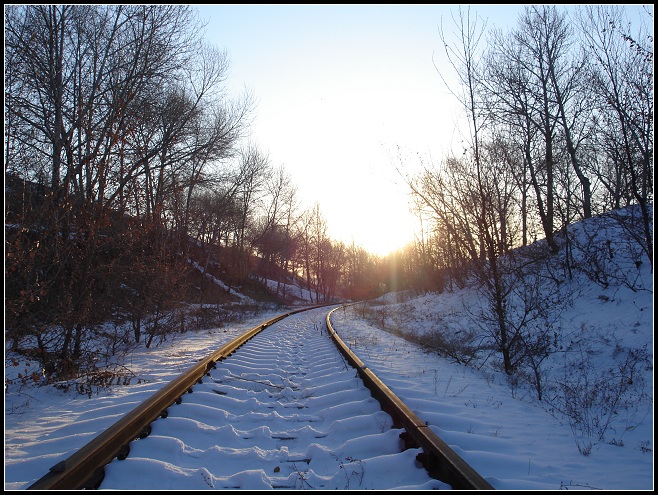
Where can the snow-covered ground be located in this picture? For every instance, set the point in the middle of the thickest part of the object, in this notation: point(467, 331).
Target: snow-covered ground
point(221, 284)
point(603, 337)
point(513, 441)
point(290, 291)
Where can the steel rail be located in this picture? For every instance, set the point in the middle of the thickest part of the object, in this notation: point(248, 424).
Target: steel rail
point(85, 468)
point(437, 457)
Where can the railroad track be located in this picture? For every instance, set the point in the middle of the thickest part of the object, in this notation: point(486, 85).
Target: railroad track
point(287, 370)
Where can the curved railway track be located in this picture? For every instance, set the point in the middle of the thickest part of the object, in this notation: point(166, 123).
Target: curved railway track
point(276, 366)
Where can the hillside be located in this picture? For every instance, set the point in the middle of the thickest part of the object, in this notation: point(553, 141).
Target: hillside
point(593, 428)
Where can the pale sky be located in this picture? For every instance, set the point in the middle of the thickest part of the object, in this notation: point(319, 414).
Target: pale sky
point(339, 88)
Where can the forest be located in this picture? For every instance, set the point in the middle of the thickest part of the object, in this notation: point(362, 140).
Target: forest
point(127, 166)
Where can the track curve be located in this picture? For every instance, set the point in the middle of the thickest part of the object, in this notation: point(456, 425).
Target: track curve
point(293, 408)
point(288, 374)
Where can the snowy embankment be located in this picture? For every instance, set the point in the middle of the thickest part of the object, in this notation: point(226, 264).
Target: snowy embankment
point(509, 438)
point(304, 296)
point(592, 427)
point(604, 332)
point(215, 280)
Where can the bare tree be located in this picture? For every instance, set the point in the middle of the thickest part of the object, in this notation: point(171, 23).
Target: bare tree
point(463, 57)
point(621, 73)
point(273, 236)
point(568, 86)
point(319, 258)
point(359, 276)
point(252, 175)
point(89, 88)
point(472, 198)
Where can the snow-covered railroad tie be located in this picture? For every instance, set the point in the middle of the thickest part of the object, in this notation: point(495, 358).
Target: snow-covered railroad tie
point(284, 411)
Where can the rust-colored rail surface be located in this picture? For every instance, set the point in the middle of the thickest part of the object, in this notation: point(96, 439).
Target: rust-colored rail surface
point(84, 469)
point(439, 459)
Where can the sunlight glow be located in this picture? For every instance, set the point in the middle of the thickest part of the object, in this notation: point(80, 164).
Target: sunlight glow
point(337, 89)
point(345, 135)
point(380, 226)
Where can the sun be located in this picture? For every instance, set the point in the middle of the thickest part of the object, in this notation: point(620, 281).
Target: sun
point(387, 232)
point(377, 219)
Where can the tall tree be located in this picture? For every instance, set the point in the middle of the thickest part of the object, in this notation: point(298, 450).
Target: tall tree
point(569, 89)
point(621, 74)
point(89, 89)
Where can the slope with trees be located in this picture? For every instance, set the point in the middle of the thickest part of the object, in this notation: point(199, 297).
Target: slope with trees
point(132, 182)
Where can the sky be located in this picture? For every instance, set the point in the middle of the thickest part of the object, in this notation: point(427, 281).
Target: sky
point(344, 91)
point(255, 421)
point(341, 91)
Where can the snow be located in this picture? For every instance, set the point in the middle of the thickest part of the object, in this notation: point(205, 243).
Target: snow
point(218, 282)
point(291, 291)
point(495, 424)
